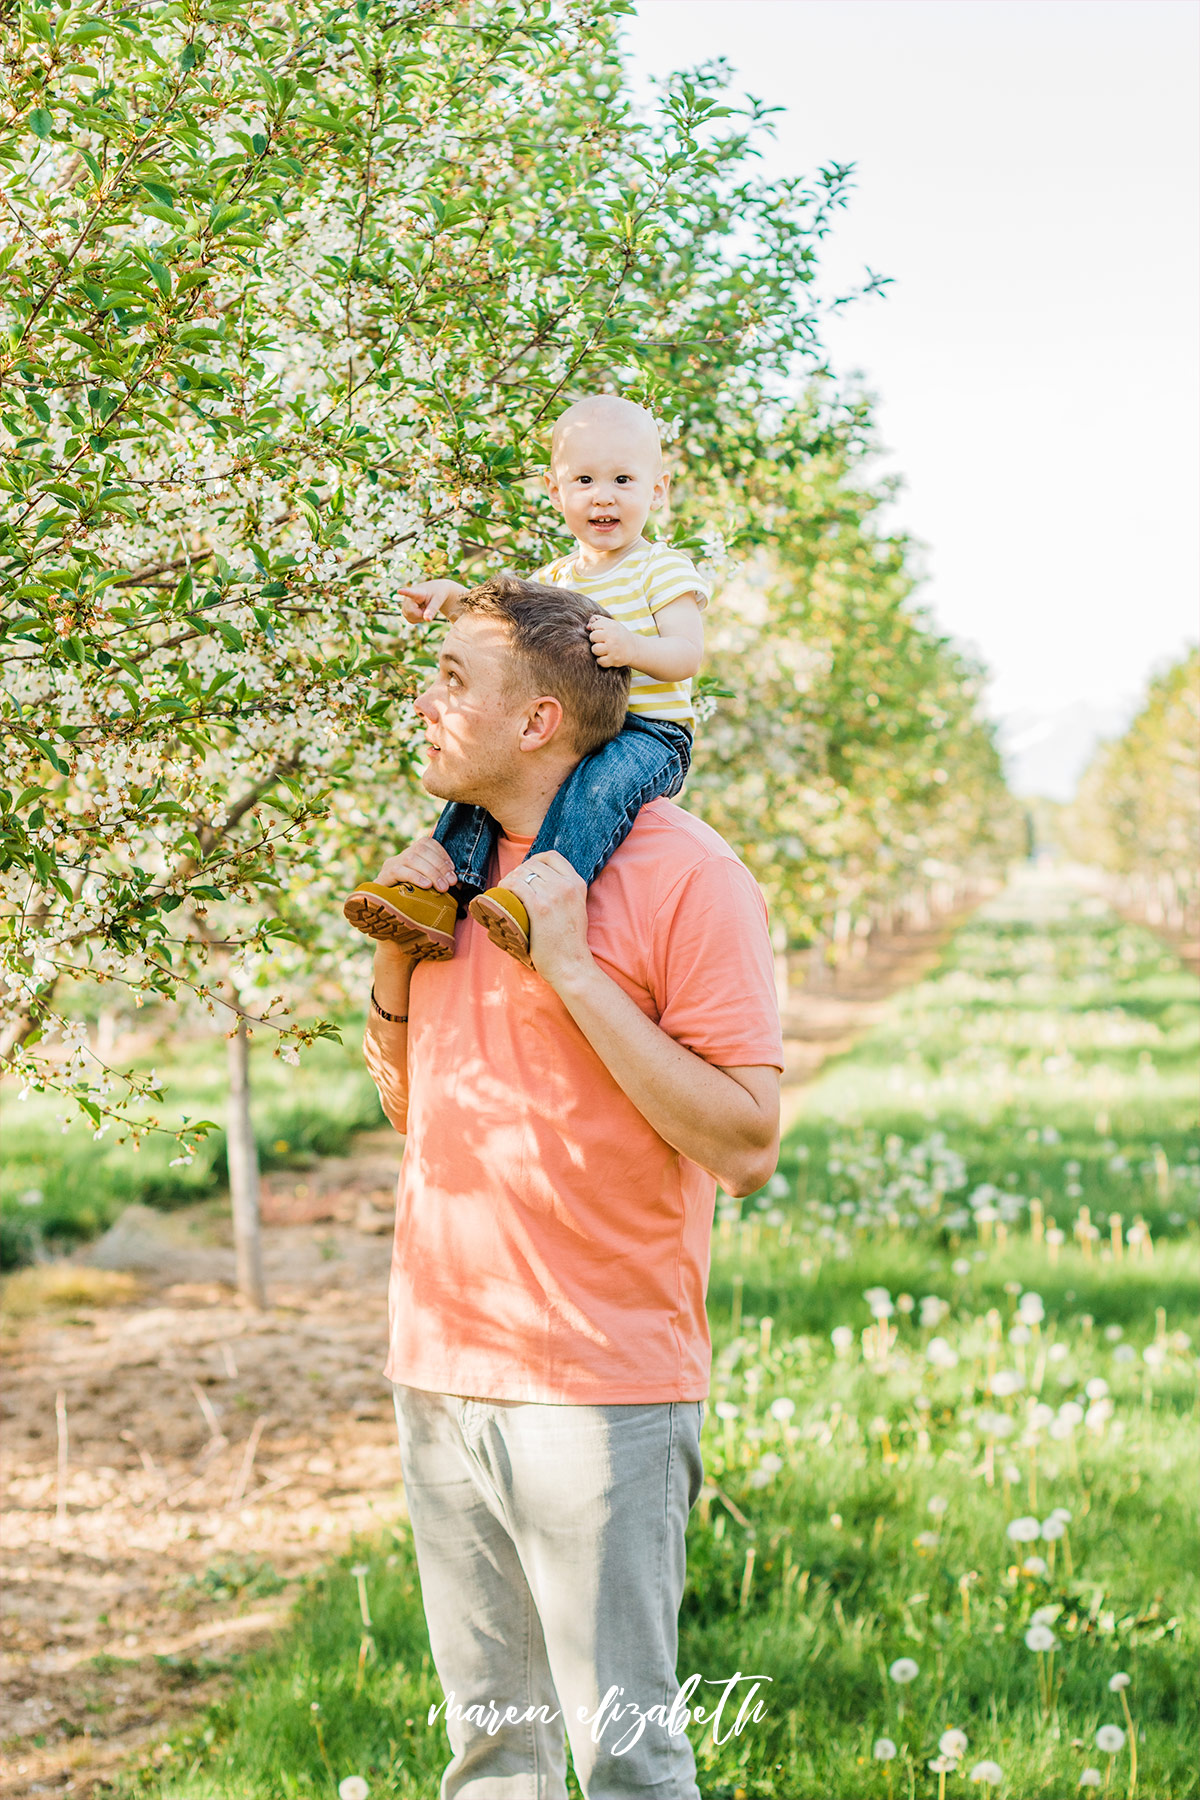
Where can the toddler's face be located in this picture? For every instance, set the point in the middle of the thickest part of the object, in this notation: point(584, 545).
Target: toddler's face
point(606, 478)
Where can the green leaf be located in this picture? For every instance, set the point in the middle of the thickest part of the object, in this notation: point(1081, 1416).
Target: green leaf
point(71, 495)
point(40, 122)
point(170, 216)
point(229, 215)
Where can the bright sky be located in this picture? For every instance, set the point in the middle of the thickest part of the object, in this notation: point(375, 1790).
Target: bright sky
point(1027, 173)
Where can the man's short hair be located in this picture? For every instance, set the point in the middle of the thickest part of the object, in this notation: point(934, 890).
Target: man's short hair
point(553, 654)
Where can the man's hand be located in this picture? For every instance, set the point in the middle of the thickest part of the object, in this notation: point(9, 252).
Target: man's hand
point(425, 863)
point(556, 900)
point(429, 598)
point(614, 646)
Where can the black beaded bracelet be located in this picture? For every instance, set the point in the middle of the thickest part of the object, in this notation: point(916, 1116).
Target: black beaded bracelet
point(392, 1018)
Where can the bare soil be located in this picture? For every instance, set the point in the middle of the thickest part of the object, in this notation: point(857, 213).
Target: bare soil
point(172, 1465)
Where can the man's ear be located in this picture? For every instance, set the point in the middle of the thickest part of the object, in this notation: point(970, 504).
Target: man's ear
point(542, 721)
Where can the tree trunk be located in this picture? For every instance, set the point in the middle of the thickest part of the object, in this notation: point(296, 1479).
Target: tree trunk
point(242, 1155)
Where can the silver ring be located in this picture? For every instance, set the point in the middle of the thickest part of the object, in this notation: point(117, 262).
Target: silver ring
point(533, 875)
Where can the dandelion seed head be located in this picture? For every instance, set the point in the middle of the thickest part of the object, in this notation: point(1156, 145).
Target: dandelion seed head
point(904, 1670)
point(884, 1750)
point(353, 1788)
point(1090, 1778)
point(1110, 1739)
point(990, 1773)
point(1040, 1638)
point(953, 1743)
point(1024, 1531)
point(1117, 1682)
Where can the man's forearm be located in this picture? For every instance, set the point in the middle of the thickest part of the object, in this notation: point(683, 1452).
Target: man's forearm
point(701, 1111)
point(385, 1042)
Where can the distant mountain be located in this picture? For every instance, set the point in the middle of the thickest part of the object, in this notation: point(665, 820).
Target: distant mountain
point(1045, 753)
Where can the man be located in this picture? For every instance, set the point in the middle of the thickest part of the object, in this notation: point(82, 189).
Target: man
point(565, 1128)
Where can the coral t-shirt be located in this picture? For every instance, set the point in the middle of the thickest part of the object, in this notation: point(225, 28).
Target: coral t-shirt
point(549, 1245)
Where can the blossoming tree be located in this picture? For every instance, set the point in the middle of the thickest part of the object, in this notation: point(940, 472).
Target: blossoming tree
point(291, 297)
point(1137, 812)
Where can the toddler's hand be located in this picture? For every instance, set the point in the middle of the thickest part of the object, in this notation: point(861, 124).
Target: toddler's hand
point(427, 599)
point(425, 863)
point(613, 645)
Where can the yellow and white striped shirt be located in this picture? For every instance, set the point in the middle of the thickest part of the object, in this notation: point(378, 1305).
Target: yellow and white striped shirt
point(633, 590)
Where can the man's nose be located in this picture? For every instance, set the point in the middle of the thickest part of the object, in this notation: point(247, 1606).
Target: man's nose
point(423, 704)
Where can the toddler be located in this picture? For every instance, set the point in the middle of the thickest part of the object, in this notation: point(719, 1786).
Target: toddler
point(606, 477)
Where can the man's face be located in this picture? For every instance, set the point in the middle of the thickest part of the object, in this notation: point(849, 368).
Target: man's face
point(473, 726)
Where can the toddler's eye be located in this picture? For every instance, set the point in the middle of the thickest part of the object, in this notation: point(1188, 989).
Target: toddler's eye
point(621, 478)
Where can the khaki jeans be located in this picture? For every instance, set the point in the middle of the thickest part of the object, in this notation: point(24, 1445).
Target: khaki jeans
point(550, 1545)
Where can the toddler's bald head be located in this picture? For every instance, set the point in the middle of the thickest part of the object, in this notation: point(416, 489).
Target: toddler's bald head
point(608, 418)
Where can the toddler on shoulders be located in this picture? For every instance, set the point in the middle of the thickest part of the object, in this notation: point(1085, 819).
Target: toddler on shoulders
point(606, 477)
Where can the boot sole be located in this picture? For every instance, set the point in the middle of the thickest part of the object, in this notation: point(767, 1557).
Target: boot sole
point(502, 928)
point(376, 919)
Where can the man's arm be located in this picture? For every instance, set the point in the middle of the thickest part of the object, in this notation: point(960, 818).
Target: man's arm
point(385, 1041)
point(725, 1119)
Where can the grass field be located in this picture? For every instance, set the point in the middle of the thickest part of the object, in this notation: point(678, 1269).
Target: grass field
point(951, 1444)
point(62, 1187)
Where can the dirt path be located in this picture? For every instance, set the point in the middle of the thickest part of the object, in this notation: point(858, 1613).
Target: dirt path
point(214, 1455)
